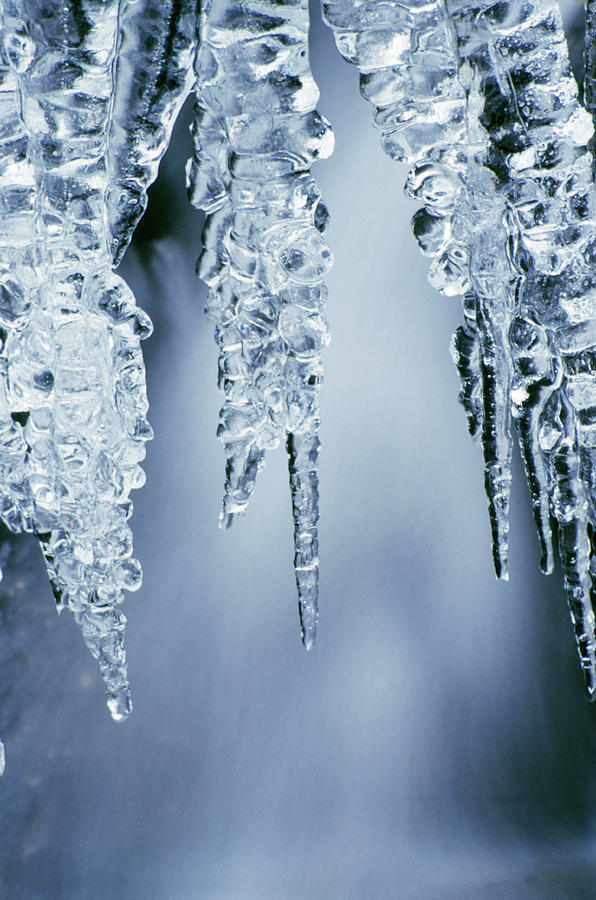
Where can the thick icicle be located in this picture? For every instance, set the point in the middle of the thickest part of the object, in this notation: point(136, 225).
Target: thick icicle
point(75, 371)
point(428, 95)
point(257, 132)
point(154, 76)
point(479, 99)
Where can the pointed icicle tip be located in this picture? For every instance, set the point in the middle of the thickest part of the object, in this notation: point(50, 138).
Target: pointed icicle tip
point(303, 453)
point(119, 704)
point(500, 555)
point(547, 563)
point(309, 639)
point(497, 490)
point(226, 520)
point(308, 623)
point(307, 582)
point(590, 684)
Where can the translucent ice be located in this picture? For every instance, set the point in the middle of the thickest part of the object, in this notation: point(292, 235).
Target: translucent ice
point(476, 97)
point(256, 134)
point(154, 75)
point(74, 383)
point(479, 100)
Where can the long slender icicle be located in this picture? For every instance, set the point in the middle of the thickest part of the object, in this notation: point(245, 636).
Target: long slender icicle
point(256, 133)
point(508, 219)
point(75, 370)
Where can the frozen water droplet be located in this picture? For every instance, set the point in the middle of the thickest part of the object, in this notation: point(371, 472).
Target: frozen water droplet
point(143, 326)
point(130, 574)
point(306, 258)
point(119, 704)
point(304, 332)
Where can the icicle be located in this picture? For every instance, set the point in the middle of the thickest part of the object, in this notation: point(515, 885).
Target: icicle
point(539, 376)
point(496, 433)
point(574, 546)
point(153, 78)
point(590, 58)
point(428, 96)
point(75, 371)
point(256, 133)
point(478, 98)
point(466, 356)
point(303, 455)
point(541, 144)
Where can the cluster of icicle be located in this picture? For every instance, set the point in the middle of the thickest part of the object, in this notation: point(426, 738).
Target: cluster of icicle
point(256, 134)
point(90, 91)
point(476, 97)
point(479, 100)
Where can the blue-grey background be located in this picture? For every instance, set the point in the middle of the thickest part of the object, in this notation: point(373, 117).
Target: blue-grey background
point(434, 746)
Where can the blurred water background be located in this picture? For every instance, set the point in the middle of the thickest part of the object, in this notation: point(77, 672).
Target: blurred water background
point(434, 746)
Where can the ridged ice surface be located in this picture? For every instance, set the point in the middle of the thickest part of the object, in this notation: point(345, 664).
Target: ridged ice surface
point(17, 280)
point(256, 134)
point(73, 394)
point(478, 99)
point(154, 75)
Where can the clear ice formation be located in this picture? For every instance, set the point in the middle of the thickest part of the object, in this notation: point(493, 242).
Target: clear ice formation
point(256, 132)
point(154, 75)
point(479, 100)
point(476, 96)
point(73, 392)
